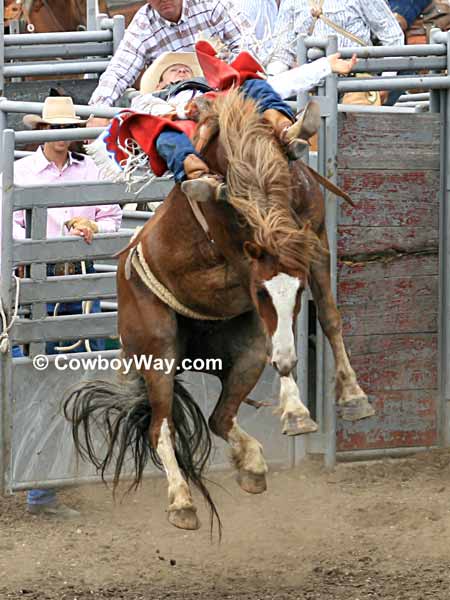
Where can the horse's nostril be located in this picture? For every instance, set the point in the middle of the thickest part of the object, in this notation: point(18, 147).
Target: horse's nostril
point(274, 365)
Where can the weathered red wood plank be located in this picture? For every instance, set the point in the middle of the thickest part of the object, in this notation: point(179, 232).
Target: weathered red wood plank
point(354, 240)
point(401, 304)
point(403, 419)
point(411, 264)
point(389, 141)
point(394, 362)
point(390, 199)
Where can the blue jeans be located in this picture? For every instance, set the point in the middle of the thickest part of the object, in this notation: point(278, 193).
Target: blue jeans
point(68, 308)
point(409, 9)
point(173, 146)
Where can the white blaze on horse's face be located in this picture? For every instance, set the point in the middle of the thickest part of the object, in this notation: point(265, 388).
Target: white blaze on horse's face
point(283, 290)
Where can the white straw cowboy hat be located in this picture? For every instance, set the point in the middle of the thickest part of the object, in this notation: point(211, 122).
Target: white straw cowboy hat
point(153, 74)
point(57, 110)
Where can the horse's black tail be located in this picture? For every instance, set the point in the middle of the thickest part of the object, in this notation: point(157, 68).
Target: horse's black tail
point(122, 414)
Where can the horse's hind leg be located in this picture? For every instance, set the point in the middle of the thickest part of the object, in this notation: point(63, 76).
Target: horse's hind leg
point(142, 338)
point(244, 344)
point(350, 396)
point(181, 510)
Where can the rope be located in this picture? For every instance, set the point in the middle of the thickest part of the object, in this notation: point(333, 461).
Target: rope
point(4, 336)
point(165, 295)
point(317, 13)
point(86, 307)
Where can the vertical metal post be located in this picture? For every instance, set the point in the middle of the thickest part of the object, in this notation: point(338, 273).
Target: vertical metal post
point(444, 274)
point(38, 271)
point(91, 25)
point(331, 137)
point(91, 15)
point(2, 47)
point(434, 94)
point(99, 19)
point(6, 398)
point(302, 59)
point(302, 370)
point(118, 31)
point(3, 125)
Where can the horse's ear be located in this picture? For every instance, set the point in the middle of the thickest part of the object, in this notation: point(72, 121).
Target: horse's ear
point(252, 250)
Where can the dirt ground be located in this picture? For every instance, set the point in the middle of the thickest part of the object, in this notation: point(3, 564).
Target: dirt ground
point(375, 530)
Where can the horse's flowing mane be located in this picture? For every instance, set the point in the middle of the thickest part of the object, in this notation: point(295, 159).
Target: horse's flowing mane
point(259, 181)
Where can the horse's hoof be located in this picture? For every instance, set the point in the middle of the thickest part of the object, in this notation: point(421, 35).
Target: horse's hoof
point(184, 518)
point(293, 425)
point(252, 483)
point(357, 410)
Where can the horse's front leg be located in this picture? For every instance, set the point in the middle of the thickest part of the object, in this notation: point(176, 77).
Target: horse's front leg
point(349, 394)
point(295, 417)
point(243, 343)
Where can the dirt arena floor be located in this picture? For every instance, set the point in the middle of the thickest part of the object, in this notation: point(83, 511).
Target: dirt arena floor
point(375, 530)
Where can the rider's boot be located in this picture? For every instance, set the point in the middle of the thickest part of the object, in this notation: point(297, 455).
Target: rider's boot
point(196, 168)
point(295, 135)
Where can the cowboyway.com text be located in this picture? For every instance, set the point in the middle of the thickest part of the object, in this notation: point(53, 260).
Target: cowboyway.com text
point(64, 362)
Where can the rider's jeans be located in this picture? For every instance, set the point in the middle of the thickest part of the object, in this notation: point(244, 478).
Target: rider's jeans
point(173, 146)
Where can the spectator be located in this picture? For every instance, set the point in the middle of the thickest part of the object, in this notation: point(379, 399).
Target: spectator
point(161, 26)
point(261, 18)
point(50, 164)
point(354, 21)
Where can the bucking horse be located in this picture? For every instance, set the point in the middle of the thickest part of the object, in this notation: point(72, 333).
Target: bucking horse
point(216, 273)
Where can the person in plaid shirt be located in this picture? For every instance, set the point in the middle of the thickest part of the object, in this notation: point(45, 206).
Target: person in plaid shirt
point(162, 26)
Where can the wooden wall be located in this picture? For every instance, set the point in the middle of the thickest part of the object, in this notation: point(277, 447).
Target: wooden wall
point(388, 274)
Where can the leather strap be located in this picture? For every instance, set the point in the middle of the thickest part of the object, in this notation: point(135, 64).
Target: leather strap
point(330, 186)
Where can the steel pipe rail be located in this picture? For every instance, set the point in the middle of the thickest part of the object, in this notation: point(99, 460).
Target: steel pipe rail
point(352, 84)
point(86, 194)
point(378, 65)
point(439, 37)
point(89, 133)
point(107, 23)
point(56, 68)
point(96, 325)
point(343, 108)
point(63, 37)
point(413, 97)
point(380, 51)
point(69, 288)
point(35, 108)
point(59, 50)
point(69, 248)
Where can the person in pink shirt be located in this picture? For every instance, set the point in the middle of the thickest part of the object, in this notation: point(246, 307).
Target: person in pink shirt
point(54, 163)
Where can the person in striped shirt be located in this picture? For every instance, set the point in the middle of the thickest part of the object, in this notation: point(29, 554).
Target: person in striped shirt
point(165, 26)
point(355, 20)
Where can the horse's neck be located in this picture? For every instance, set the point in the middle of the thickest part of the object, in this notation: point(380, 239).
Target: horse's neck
point(229, 236)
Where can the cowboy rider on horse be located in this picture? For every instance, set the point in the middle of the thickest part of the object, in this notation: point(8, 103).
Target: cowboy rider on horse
point(176, 78)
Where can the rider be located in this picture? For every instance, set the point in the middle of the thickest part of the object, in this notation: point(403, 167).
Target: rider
point(172, 81)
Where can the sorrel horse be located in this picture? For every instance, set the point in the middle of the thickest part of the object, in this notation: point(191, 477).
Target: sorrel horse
point(267, 243)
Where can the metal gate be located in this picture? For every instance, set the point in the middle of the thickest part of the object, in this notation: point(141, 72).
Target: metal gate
point(36, 445)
